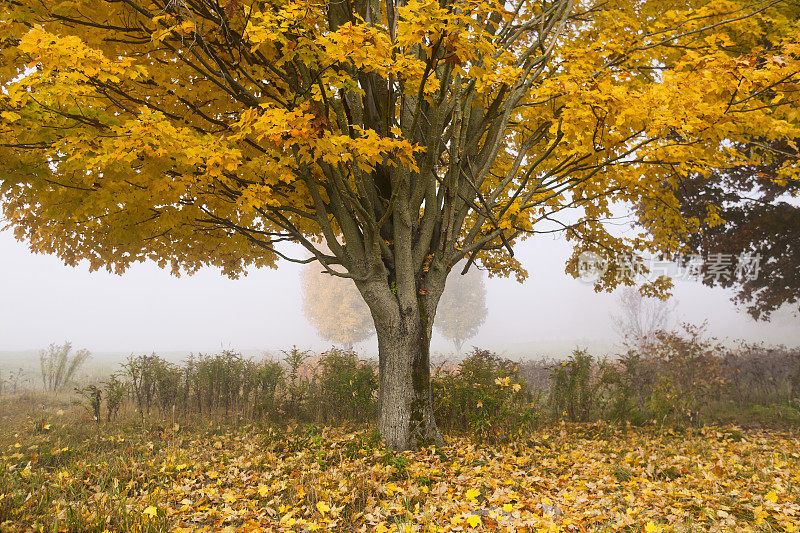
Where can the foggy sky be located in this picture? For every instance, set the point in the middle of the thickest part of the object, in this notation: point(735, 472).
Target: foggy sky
point(147, 309)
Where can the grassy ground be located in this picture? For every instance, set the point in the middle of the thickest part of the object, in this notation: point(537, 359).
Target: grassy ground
point(59, 471)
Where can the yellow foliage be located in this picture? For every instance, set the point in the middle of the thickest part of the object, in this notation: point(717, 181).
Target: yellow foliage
point(208, 134)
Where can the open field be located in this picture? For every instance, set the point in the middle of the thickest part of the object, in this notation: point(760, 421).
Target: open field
point(59, 471)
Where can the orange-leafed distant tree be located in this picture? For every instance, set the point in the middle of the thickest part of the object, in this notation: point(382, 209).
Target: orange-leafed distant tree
point(406, 135)
point(335, 308)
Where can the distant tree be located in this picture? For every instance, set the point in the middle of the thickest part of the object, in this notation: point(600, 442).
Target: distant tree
point(759, 234)
point(462, 309)
point(640, 317)
point(59, 364)
point(335, 308)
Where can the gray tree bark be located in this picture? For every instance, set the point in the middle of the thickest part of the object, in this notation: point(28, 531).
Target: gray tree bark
point(404, 324)
point(405, 399)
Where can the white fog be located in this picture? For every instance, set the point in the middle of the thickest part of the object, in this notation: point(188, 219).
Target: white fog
point(147, 309)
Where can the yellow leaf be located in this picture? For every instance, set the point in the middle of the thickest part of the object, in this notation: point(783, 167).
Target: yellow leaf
point(771, 496)
point(323, 508)
point(650, 527)
point(150, 511)
point(472, 494)
point(10, 116)
point(474, 520)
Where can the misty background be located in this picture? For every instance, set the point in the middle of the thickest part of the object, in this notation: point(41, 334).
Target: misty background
point(42, 301)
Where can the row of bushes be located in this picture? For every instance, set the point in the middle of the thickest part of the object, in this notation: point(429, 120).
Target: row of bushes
point(323, 388)
point(675, 377)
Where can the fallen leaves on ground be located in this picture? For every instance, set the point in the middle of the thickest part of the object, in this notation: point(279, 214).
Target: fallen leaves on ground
point(567, 478)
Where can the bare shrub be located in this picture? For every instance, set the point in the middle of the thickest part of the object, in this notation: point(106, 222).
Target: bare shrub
point(58, 365)
point(640, 318)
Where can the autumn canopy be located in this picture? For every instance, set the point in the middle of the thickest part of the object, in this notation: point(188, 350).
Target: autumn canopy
point(405, 136)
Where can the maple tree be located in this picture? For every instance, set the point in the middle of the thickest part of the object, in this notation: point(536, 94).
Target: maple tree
point(405, 136)
point(462, 309)
point(759, 236)
point(335, 308)
point(760, 215)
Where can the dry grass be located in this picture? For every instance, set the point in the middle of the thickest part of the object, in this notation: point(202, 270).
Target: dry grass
point(60, 471)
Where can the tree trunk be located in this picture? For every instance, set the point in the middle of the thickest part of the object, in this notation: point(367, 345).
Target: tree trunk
point(403, 305)
point(459, 344)
point(405, 400)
